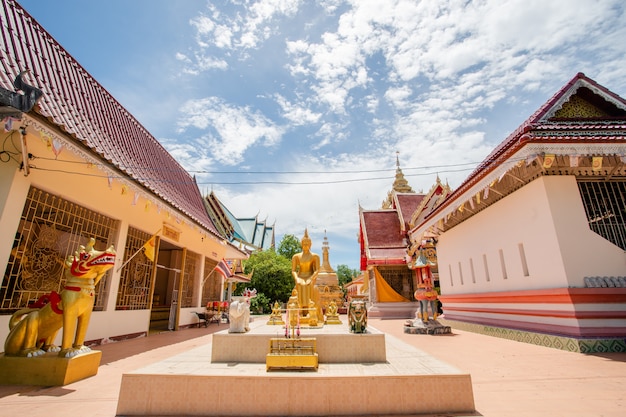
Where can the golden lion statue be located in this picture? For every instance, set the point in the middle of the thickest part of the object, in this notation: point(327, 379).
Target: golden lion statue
point(33, 330)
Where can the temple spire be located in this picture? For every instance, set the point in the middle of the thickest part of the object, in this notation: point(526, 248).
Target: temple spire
point(401, 185)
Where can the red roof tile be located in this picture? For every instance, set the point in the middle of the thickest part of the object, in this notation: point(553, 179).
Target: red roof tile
point(408, 203)
point(383, 240)
point(79, 105)
point(607, 129)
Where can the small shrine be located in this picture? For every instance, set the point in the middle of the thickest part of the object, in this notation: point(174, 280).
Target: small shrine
point(293, 352)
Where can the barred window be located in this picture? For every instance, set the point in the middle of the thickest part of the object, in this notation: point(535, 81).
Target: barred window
point(135, 278)
point(211, 283)
point(605, 206)
point(51, 228)
point(192, 262)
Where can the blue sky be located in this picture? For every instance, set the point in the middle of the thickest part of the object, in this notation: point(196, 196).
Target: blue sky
point(295, 110)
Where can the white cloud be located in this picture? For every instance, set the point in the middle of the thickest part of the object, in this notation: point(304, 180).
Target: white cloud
point(236, 128)
point(298, 115)
point(425, 78)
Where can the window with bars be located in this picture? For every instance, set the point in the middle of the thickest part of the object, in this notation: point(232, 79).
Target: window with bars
point(192, 261)
point(605, 206)
point(135, 278)
point(212, 282)
point(51, 228)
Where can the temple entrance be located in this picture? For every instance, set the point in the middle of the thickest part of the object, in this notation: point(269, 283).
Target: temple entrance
point(165, 308)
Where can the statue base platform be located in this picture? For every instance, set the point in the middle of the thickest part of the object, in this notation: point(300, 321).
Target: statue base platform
point(384, 375)
point(333, 320)
point(418, 326)
point(275, 321)
point(49, 369)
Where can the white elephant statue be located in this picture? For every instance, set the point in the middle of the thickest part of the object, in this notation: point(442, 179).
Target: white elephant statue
point(239, 315)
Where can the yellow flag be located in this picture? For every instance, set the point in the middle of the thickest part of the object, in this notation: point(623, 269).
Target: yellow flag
point(150, 246)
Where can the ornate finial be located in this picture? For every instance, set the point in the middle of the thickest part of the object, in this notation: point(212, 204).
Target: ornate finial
point(325, 258)
point(306, 237)
point(401, 185)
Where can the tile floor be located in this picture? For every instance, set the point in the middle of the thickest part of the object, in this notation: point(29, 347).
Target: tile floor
point(509, 378)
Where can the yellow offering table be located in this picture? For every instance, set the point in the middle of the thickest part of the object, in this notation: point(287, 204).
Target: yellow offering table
point(296, 354)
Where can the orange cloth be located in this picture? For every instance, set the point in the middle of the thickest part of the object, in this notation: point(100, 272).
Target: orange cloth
point(384, 292)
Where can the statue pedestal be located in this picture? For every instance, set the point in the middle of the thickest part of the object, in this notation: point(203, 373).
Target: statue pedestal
point(48, 369)
point(417, 326)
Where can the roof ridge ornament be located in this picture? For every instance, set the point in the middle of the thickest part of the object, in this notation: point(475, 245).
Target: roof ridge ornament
point(14, 103)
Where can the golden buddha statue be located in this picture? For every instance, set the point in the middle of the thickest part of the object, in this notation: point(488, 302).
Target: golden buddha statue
point(332, 314)
point(276, 318)
point(304, 267)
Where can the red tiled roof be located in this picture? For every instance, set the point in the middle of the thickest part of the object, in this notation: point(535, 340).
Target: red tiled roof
point(383, 239)
point(529, 132)
point(75, 102)
point(408, 203)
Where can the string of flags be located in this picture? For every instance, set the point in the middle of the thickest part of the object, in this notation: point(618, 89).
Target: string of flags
point(548, 161)
point(56, 146)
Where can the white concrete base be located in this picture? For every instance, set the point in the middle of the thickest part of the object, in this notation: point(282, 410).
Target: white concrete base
point(335, 344)
point(408, 382)
point(393, 310)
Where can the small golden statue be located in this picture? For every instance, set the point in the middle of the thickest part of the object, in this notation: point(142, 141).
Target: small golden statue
point(332, 317)
point(276, 318)
point(312, 314)
point(293, 314)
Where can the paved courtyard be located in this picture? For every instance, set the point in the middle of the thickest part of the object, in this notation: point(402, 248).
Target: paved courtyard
point(510, 379)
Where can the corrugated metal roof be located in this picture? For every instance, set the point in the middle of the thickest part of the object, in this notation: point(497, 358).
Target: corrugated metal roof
point(75, 102)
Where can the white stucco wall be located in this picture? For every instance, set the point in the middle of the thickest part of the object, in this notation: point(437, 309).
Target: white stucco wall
point(546, 221)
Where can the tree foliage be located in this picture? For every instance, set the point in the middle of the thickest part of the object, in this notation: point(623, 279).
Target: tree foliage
point(289, 246)
point(272, 275)
point(346, 274)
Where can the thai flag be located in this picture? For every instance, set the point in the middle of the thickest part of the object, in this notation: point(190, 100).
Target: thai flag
point(223, 268)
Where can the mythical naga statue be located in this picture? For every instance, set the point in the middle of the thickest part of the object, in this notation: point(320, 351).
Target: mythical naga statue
point(19, 102)
point(33, 330)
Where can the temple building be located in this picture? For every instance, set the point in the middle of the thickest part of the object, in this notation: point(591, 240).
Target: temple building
point(249, 233)
point(77, 165)
point(390, 274)
point(532, 245)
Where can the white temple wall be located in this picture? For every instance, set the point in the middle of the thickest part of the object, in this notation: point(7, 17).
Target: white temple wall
point(535, 238)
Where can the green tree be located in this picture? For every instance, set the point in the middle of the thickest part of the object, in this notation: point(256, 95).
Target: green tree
point(289, 246)
point(260, 304)
point(272, 275)
point(346, 274)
